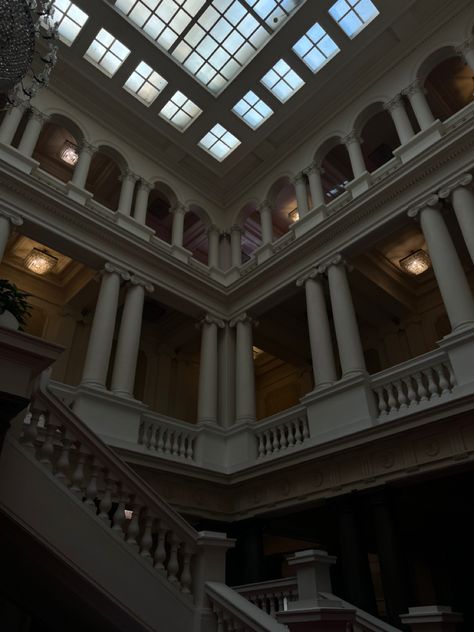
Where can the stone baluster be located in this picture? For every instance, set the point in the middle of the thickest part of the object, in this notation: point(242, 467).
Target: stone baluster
point(208, 370)
point(119, 519)
point(453, 286)
point(416, 94)
point(7, 221)
point(128, 180)
point(462, 200)
point(411, 394)
point(10, 123)
point(178, 212)
point(63, 463)
point(160, 551)
point(236, 233)
point(213, 235)
point(353, 143)
point(349, 343)
point(322, 353)
point(92, 486)
point(466, 49)
point(265, 210)
point(381, 403)
point(33, 128)
point(173, 564)
point(133, 529)
point(141, 202)
point(396, 108)
point(146, 541)
point(186, 576)
point(299, 182)
point(420, 387)
point(128, 343)
point(314, 173)
point(81, 170)
point(78, 476)
point(244, 368)
point(100, 340)
point(105, 504)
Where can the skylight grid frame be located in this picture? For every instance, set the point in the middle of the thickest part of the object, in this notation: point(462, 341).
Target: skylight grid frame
point(352, 16)
point(282, 81)
point(252, 110)
point(145, 84)
point(180, 111)
point(70, 20)
point(268, 10)
point(224, 38)
point(107, 53)
point(316, 47)
point(219, 142)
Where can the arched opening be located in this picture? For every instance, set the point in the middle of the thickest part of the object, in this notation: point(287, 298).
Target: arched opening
point(158, 216)
point(379, 137)
point(449, 87)
point(195, 234)
point(103, 180)
point(249, 219)
point(56, 149)
point(282, 197)
point(336, 169)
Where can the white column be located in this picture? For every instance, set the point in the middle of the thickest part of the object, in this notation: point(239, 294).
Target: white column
point(177, 232)
point(128, 180)
point(399, 115)
point(236, 233)
point(7, 220)
point(103, 325)
point(266, 222)
point(349, 344)
point(322, 353)
point(245, 405)
point(32, 132)
point(453, 286)
point(208, 370)
point(299, 182)
point(314, 174)
point(213, 246)
point(466, 49)
point(128, 343)
point(416, 94)
point(81, 170)
point(226, 376)
point(462, 199)
point(141, 202)
point(352, 141)
point(10, 123)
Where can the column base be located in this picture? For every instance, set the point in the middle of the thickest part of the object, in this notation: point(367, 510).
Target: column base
point(95, 385)
point(13, 157)
point(432, 619)
point(178, 252)
point(360, 184)
point(419, 142)
point(132, 226)
point(78, 194)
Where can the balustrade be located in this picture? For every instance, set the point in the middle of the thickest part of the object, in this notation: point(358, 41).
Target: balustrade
point(271, 597)
point(168, 439)
point(282, 433)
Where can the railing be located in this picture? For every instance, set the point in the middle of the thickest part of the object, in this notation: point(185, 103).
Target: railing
point(271, 597)
point(412, 383)
point(168, 438)
point(364, 622)
point(65, 446)
point(282, 432)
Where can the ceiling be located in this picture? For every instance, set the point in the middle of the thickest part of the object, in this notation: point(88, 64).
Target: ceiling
point(291, 122)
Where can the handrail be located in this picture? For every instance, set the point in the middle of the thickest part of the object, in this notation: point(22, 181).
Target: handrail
point(368, 622)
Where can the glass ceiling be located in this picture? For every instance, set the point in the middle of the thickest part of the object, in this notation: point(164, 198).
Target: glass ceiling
point(219, 142)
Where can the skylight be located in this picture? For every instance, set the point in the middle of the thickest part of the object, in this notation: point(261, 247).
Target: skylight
point(70, 20)
point(252, 110)
point(219, 142)
point(315, 48)
point(274, 12)
point(180, 111)
point(107, 53)
point(145, 83)
point(353, 15)
point(282, 81)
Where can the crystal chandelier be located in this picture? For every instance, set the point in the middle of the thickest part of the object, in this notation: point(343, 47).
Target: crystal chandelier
point(27, 48)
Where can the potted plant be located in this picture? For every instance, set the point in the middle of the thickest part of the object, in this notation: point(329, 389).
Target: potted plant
point(14, 307)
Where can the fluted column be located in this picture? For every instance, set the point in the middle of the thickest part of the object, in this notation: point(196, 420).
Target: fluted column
point(178, 211)
point(396, 108)
point(353, 143)
point(213, 246)
point(141, 202)
point(466, 49)
point(416, 94)
point(314, 174)
point(208, 370)
point(128, 344)
point(453, 286)
point(32, 132)
point(351, 354)
point(7, 220)
point(10, 123)
point(236, 233)
point(81, 170)
point(103, 326)
point(322, 353)
point(462, 199)
point(299, 182)
point(266, 221)
point(245, 404)
point(128, 180)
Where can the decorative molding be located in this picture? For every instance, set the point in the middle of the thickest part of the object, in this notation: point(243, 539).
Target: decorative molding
point(145, 185)
point(462, 181)
point(210, 319)
point(394, 103)
point(236, 228)
point(114, 268)
point(335, 260)
point(352, 137)
point(87, 148)
point(178, 207)
point(244, 319)
point(413, 88)
point(136, 279)
point(312, 274)
point(36, 114)
point(314, 168)
point(127, 174)
point(14, 219)
point(430, 201)
point(468, 44)
point(265, 205)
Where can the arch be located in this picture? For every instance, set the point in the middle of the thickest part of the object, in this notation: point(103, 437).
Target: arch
point(195, 234)
point(326, 146)
point(367, 112)
point(336, 169)
point(378, 134)
point(282, 197)
point(111, 151)
point(58, 135)
point(433, 59)
point(195, 207)
point(449, 86)
point(246, 210)
point(104, 177)
point(249, 220)
point(59, 116)
point(160, 201)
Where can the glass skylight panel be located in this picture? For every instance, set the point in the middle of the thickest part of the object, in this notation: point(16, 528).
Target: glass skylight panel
point(220, 43)
point(162, 20)
point(316, 48)
point(107, 53)
point(273, 12)
point(70, 20)
point(145, 83)
point(219, 142)
point(282, 81)
point(252, 110)
point(180, 111)
point(353, 15)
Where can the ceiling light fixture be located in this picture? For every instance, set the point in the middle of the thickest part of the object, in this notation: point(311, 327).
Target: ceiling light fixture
point(69, 153)
point(416, 263)
point(294, 215)
point(40, 261)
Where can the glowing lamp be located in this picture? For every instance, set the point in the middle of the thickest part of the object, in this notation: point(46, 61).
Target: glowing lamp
point(68, 153)
point(416, 263)
point(39, 261)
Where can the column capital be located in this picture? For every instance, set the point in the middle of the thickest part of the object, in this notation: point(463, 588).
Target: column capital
point(265, 205)
point(298, 177)
point(87, 148)
point(114, 268)
point(210, 319)
point(136, 279)
point(212, 228)
point(468, 44)
point(145, 185)
point(413, 88)
point(236, 228)
point(336, 260)
point(353, 137)
point(431, 200)
point(314, 168)
point(14, 219)
point(312, 274)
point(34, 113)
point(244, 318)
point(178, 207)
point(463, 180)
point(394, 103)
point(127, 174)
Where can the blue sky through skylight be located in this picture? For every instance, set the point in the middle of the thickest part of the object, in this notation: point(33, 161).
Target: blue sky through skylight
point(353, 15)
point(316, 48)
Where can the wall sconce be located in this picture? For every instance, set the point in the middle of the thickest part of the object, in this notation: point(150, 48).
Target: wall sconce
point(294, 215)
point(416, 263)
point(39, 261)
point(68, 153)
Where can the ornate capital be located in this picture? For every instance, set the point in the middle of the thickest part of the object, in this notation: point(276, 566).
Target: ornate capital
point(314, 168)
point(178, 207)
point(127, 174)
point(314, 273)
point(14, 219)
point(465, 46)
point(112, 267)
point(210, 319)
point(463, 180)
point(87, 148)
point(394, 103)
point(336, 260)
point(145, 185)
point(36, 114)
point(298, 178)
point(136, 279)
point(432, 200)
point(212, 228)
point(245, 319)
point(236, 228)
point(413, 88)
point(264, 206)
